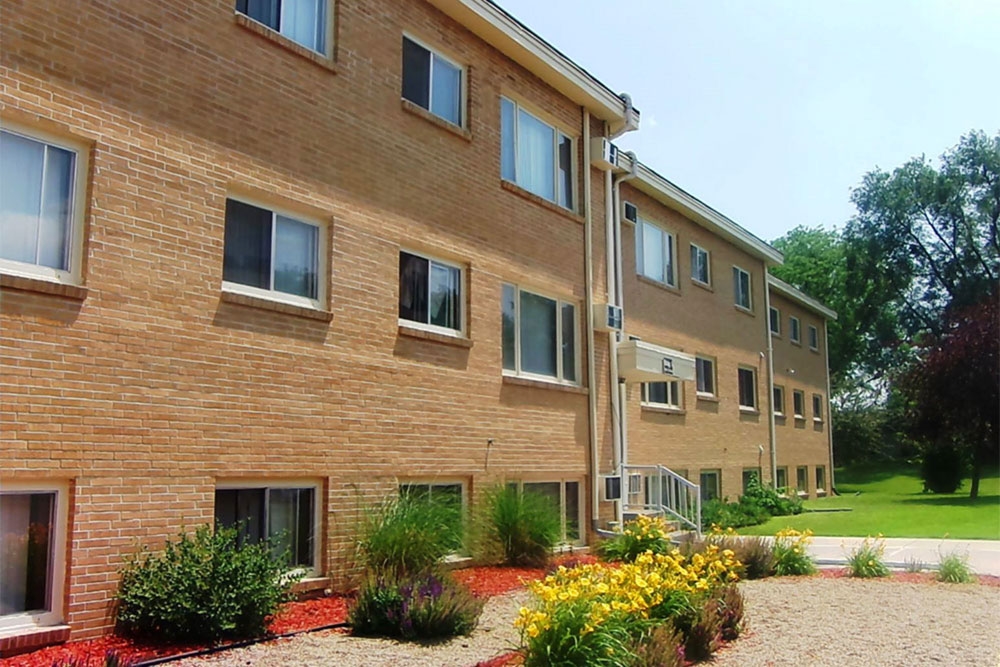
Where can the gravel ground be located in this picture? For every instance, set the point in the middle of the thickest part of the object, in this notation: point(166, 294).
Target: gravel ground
point(494, 635)
point(839, 622)
point(793, 621)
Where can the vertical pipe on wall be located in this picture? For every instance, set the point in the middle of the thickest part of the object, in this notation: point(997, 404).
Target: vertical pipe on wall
point(589, 314)
point(770, 380)
point(829, 412)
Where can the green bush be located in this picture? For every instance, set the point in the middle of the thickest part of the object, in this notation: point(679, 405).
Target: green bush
point(202, 587)
point(942, 468)
point(730, 607)
point(414, 606)
point(409, 533)
point(703, 631)
point(758, 504)
point(636, 537)
point(518, 528)
point(954, 569)
point(661, 646)
point(868, 560)
point(790, 554)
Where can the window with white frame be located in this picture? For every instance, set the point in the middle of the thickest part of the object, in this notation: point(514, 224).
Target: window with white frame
point(711, 484)
point(743, 295)
point(779, 401)
point(662, 394)
point(798, 404)
point(535, 155)
point(775, 316)
point(817, 407)
point(448, 497)
point(705, 376)
point(820, 479)
point(302, 21)
point(802, 479)
point(781, 479)
point(565, 495)
point(33, 543)
point(432, 81)
point(539, 335)
point(272, 255)
point(284, 516)
point(654, 253)
point(701, 267)
point(430, 292)
point(747, 388)
point(794, 330)
point(42, 202)
point(813, 338)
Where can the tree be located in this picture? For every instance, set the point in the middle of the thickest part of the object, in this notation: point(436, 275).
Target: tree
point(955, 387)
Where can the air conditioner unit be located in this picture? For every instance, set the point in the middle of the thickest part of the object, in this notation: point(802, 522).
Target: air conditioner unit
point(631, 214)
point(612, 488)
point(635, 482)
point(607, 317)
point(603, 153)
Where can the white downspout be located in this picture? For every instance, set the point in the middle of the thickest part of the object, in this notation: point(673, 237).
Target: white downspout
point(829, 412)
point(588, 244)
point(770, 381)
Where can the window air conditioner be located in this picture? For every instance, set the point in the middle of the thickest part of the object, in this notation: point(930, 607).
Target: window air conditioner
point(603, 154)
point(607, 317)
point(612, 488)
point(631, 213)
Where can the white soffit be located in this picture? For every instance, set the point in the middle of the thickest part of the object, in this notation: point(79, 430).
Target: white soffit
point(800, 297)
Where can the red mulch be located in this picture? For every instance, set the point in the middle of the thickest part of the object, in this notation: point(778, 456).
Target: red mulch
point(492, 580)
point(908, 577)
point(296, 616)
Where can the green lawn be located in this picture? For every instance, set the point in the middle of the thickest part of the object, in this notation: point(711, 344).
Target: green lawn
point(889, 500)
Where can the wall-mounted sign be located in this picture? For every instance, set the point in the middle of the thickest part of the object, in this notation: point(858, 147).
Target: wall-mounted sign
point(668, 366)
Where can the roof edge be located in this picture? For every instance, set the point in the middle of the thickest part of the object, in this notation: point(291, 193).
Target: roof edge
point(799, 296)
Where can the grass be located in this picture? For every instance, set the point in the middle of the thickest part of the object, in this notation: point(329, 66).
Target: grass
point(889, 499)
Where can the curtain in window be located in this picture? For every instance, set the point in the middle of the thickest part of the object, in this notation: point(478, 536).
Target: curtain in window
point(538, 334)
point(413, 287)
point(26, 545)
point(264, 11)
point(507, 138)
point(295, 257)
point(652, 253)
point(508, 314)
point(569, 342)
point(303, 22)
point(444, 298)
point(247, 259)
point(36, 183)
point(565, 171)
point(446, 97)
point(416, 73)
point(535, 156)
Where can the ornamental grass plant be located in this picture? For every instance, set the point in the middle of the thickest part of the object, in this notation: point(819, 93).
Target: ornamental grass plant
point(954, 569)
point(867, 561)
point(516, 527)
point(409, 533)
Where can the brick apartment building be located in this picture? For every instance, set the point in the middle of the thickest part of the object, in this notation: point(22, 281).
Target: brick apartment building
point(273, 260)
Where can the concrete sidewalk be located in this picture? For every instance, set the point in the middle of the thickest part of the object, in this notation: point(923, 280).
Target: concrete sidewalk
point(984, 555)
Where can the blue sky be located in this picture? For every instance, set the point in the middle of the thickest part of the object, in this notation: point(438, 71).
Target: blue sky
point(772, 110)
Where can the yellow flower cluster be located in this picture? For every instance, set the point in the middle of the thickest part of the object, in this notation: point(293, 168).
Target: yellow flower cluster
point(793, 539)
point(647, 528)
point(597, 592)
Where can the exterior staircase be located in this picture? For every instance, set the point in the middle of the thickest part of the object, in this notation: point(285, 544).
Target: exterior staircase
point(656, 490)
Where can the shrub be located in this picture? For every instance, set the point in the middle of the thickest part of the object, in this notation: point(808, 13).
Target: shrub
point(730, 607)
point(518, 528)
point(758, 504)
point(203, 587)
point(868, 560)
point(942, 468)
point(409, 533)
point(757, 556)
point(661, 646)
point(790, 554)
point(703, 636)
point(414, 606)
point(954, 569)
point(637, 537)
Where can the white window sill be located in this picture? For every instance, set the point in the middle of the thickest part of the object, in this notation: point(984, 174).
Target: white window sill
point(817, 420)
point(663, 409)
point(797, 343)
point(779, 415)
point(799, 418)
point(434, 119)
point(814, 349)
point(659, 283)
point(253, 301)
point(708, 398)
point(744, 310)
point(705, 286)
point(749, 411)
point(415, 330)
point(268, 33)
point(555, 385)
point(541, 201)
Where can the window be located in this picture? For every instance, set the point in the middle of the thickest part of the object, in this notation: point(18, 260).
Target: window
point(535, 155)
point(802, 479)
point(32, 542)
point(566, 496)
point(798, 404)
point(775, 321)
point(654, 253)
point(820, 479)
point(665, 394)
point(287, 516)
point(302, 21)
point(779, 401)
point(705, 376)
point(539, 335)
point(269, 254)
point(700, 265)
point(711, 485)
point(450, 495)
point(794, 330)
point(750, 475)
point(813, 338)
point(741, 288)
point(430, 292)
point(817, 407)
point(41, 207)
point(748, 388)
point(432, 81)
point(781, 478)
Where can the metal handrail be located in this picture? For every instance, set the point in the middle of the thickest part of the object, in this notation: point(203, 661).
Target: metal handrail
point(671, 494)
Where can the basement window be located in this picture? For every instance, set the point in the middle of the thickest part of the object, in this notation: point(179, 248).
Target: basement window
point(285, 516)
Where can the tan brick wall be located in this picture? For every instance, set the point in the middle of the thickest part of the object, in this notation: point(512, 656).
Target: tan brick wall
point(801, 442)
point(152, 387)
point(708, 434)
